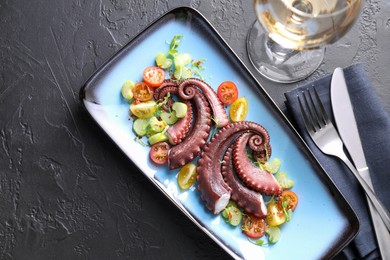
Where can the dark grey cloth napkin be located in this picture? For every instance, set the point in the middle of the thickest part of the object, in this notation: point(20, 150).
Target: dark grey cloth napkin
point(374, 128)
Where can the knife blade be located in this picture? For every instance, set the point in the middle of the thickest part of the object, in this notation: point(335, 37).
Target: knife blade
point(345, 120)
point(349, 133)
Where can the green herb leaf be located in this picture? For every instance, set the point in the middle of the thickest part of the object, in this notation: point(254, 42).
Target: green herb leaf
point(165, 101)
point(197, 73)
point(173, 53)
point(287, 212)
point(175, 42)
point(225, 214)
point(198, 64)
point(140, 141)
point(259, 242)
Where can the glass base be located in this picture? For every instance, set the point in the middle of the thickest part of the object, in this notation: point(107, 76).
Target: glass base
point(277, 63)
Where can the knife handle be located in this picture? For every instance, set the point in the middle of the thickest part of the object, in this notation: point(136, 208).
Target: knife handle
point(382, 211)
point(381, 233)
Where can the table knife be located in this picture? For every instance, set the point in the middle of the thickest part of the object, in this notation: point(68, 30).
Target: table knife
point(347, 128)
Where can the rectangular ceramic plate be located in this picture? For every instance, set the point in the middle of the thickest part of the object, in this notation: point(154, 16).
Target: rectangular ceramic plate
point(322, 224)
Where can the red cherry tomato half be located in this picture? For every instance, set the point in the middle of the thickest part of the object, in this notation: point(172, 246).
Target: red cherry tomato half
point(142, 92)
point(252, 226)
point(159, 152)
point(154, 76)
point(227, 92)
point(289, 198)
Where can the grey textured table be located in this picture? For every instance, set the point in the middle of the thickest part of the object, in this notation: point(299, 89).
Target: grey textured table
point(66, 191)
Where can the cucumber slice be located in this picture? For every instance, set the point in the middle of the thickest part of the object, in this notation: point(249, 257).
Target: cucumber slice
point(182, 72)
point(282, 179)
point(169, 117)
point(162, 61)
point(236, 216)
point(272, 166)
point(180, 109)
point(231, 203)
point(156, 126)
point(127, 88)
point(232, 214)
point(273, 234)
point(139, 126)
point(182, 60)
point(156, 138)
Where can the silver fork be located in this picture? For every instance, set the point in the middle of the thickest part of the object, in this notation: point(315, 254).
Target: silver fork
point(327, 139)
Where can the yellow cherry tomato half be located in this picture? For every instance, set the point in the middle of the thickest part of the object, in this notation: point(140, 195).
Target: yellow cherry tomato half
point(275, 215)
point(187, 176)
point(239, 110)
point(143, 109)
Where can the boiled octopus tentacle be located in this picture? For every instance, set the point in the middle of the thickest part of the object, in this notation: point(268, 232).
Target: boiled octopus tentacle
point(191, 146)
point(251, 201)
point(220, 117)
point(178, 131)
point(165, 84)
point(213, 189)
point(253, 176)
point(168, 86)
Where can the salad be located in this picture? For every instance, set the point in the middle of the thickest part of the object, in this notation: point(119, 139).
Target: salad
point(154, 117)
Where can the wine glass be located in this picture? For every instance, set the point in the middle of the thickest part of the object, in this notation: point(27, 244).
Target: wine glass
point(286, 43)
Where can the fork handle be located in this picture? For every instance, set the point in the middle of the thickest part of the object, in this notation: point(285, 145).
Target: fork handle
point(382, 211)
point(381, 233)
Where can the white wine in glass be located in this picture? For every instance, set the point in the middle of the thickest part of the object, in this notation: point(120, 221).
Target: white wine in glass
point(286, 43)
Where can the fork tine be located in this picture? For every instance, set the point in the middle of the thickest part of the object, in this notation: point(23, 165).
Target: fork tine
point(322, 110)
point(312, 111)
point(321, 123)
point(308, 123)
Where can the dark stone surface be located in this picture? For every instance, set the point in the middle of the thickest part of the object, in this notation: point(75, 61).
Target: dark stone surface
point(66, 191)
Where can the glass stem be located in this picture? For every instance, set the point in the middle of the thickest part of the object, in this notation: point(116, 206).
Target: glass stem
point(276, 52)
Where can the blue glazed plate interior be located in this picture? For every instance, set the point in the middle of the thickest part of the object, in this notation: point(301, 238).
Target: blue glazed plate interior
point(322, 223)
